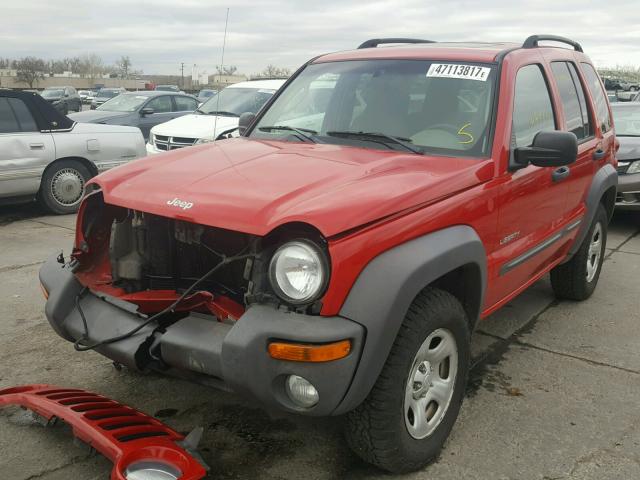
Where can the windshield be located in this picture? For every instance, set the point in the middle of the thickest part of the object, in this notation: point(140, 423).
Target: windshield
point(123, 103)
point(433, 107)
point(236, 101)
point(52, 93)
point(627, 121)
point(108, 93)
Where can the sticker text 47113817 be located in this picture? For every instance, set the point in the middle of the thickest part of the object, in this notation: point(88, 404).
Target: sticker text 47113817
point(452, 70)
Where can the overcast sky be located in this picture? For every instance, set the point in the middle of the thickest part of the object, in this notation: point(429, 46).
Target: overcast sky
point(158, 35)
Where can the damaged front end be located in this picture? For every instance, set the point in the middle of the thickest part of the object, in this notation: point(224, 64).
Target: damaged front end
point(165, 294)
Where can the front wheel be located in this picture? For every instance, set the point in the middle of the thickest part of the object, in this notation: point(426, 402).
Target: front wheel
point(63, 185)
point(577, 278)
point(408, 415)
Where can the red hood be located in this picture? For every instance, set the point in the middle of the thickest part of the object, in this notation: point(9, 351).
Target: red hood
point(254, 186)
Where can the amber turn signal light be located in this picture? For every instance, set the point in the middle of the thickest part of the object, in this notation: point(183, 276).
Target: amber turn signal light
point(44, 292)
point(300, 352)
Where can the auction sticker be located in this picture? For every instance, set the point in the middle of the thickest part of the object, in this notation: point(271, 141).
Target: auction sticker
point(452, 70)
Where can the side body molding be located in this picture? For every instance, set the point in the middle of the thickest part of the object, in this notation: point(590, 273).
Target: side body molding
point(385, 289)
point(603, 180)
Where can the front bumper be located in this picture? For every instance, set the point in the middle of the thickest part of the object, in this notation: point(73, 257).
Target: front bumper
point(628, 197)
point(234, 356)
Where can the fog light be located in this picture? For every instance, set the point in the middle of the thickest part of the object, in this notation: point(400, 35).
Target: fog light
point(301, 392)
point(151, 471)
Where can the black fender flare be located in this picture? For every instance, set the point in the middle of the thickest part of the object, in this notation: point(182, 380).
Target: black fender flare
point(384, 290)
point(603, 180)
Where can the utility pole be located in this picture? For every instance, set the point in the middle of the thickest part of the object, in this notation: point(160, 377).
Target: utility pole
point(182, 69)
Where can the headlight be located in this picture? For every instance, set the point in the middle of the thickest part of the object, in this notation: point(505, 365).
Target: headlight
point(634, 167)
point(298, 272)
point(203, 140)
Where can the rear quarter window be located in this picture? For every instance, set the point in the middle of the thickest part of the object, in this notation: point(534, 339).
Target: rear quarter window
point(599, 97)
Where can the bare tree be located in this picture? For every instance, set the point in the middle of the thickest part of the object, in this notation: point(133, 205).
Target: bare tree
point(91, 66)
point(124, 66)
point(228, 70)
point(272, 71)
point(30, 70)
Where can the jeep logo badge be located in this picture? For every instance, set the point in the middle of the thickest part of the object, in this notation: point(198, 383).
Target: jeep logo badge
point(176, 202)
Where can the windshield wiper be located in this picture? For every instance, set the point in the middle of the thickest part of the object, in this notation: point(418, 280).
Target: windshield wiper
point(302, 133)
point(379, 137)
point(222, 113)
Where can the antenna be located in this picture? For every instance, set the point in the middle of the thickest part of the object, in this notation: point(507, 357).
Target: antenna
point(224, 44)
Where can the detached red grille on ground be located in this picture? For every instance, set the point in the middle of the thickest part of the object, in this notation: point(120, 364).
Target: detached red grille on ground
point(124, 435)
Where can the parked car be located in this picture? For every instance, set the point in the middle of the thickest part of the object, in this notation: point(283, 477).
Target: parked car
point(84, 95)
point(337, 262)
point(218, 116)
point(64, 99)
point(205, 94)
point(612, 84)
point(612, 97)
point(167, 88)
point(46, 156)
point(140, 109)
point(627, 121)
point(105, 94)
point(91, 96)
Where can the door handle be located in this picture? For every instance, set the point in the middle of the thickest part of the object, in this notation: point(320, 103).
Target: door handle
point(36, 146)
point(560, 174)
point(599, 154)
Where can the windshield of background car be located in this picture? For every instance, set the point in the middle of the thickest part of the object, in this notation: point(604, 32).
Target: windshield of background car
point(52, 93)
point(439, 107)
point(123, 103)
point(237, 101)
point(627, 121)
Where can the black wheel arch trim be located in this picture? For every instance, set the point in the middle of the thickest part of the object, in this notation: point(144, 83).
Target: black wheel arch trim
point(606, 178)
point(384, 290)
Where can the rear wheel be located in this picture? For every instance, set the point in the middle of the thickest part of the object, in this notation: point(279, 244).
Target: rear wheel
point(411, 409)
point(577, 278)
point(62, 186)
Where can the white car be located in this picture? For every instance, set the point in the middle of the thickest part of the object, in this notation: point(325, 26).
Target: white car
point(46, 156)
point(215, 117)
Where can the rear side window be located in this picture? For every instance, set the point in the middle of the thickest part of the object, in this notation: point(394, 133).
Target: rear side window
point(577, 120)
point(532, 108)
point(599, 97)
point(8, 121)
point(185, 104)
point(160, 104)
point(23, 115)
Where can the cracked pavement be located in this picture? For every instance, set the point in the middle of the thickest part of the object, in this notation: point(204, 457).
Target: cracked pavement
point(554, 392)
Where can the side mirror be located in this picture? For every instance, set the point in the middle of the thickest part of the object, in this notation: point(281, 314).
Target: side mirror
point(245, 120)
point(146, 111)
point(549, 149)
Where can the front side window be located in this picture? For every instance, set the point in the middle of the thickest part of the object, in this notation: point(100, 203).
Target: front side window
point(572, 106)
point(185, 104)
point(431, 107)
point(160, 104)
point(599, 97)
point(234, 102)
point(532, 108)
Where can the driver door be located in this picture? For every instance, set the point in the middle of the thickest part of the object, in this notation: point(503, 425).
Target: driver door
point(162, 112)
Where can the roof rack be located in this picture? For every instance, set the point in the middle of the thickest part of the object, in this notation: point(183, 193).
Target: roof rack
point(532, 41)
point(374, 42)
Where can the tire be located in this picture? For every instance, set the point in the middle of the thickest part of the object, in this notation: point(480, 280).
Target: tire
point(384, 430)
point(577, 278)
point(62, 186)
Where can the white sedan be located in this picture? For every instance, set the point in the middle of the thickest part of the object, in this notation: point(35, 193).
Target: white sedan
point(46, 156)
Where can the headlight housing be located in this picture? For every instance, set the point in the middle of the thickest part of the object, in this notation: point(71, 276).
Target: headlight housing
point(634, 167)
point(298, 272)
point(203, 140)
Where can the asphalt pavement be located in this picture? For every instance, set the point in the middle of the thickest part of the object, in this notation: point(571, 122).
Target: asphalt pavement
point(554, 391)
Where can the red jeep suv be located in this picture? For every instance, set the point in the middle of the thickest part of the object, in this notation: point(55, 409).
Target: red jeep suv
point(336, 256)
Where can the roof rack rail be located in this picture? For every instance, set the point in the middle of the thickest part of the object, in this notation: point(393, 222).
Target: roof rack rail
point(374, 42)
point(532, 41)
